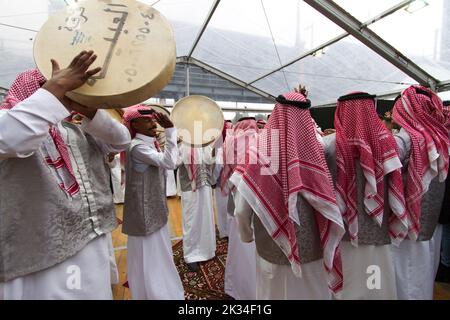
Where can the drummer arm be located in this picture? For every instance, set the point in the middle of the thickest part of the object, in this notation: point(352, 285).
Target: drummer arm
point(166, 159)
point(403, 145)
point(24, 127)
point(179, 161)
point(208, 157)
point(243, 214)
point(110, 135)
point(218, 166)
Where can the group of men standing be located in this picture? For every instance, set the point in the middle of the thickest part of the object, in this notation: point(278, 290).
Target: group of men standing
point(57, 210)
point(351, 215)
point(362, 202)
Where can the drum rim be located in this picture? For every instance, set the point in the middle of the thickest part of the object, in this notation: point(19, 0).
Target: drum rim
point(151, 105)
point(213, 103)
point(160, 81)
point(118, 113)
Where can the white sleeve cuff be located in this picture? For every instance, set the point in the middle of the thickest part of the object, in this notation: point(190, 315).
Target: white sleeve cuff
point(50, 107)
point(171, 133)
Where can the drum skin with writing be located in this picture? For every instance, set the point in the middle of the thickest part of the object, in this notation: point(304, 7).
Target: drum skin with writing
point(134, 43)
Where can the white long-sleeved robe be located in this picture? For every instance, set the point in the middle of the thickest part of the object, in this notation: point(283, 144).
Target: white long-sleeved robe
point(171, 186)
point(220, 200)
point(240, 269)
point(116, 180)
point(151, 271)
point(278, 282)
point(22, 130)
point(199, 233)
point(415, 261)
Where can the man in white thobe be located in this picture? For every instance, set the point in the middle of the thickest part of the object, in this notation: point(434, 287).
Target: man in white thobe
point(55, 211)
point(288, 207)
point(199, 233)
point(418, 112)
point(150, 267)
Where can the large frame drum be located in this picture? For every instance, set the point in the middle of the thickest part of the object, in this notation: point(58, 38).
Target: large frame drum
point(199, 120)
point(134, 43)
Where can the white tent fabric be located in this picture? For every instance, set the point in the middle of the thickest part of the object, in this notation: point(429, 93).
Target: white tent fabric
point(272, 45)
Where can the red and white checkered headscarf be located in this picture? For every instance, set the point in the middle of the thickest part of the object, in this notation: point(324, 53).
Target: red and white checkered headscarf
point(132, 113)
point(235, 149)
point(293, 165)
point(361, 135)
point(228, 125)
point(55, 150)
point(129, 114)
point(419, 111)
point(447, 114)
point(261, 122)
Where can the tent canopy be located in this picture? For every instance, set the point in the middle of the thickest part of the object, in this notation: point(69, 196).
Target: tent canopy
point(263, 48)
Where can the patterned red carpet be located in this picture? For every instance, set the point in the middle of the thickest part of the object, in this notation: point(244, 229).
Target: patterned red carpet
point(208, 282)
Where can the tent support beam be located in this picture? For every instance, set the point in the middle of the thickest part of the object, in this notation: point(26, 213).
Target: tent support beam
point(382, 15)
point(306, 54)
point(226, 76)
point(203, 28)
point(441, 87)
point(354, 27)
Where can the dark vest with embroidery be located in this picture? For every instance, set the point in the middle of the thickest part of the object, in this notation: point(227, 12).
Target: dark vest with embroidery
point(203, 176)
point(308, 238)
point(145, 208)
point(40, 226)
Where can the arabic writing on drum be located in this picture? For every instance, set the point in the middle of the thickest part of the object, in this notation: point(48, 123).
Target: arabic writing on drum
point(120, 12)
point(139, 41)
point(123, 34)
point(120, 22)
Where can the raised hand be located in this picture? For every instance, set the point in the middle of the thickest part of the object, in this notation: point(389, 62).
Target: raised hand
point(329, 131)
point(72, 77)
point(163, 120)
point(301, 89)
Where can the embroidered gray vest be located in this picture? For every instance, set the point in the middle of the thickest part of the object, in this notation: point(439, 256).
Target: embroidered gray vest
point(308, 239)
point(431, 201)
point(145, 208)
point(203, 176)
point(369, 233)
point(39, 225)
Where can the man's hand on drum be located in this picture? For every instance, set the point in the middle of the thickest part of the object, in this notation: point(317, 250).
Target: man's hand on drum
point(72, 77)
point(163, 120)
